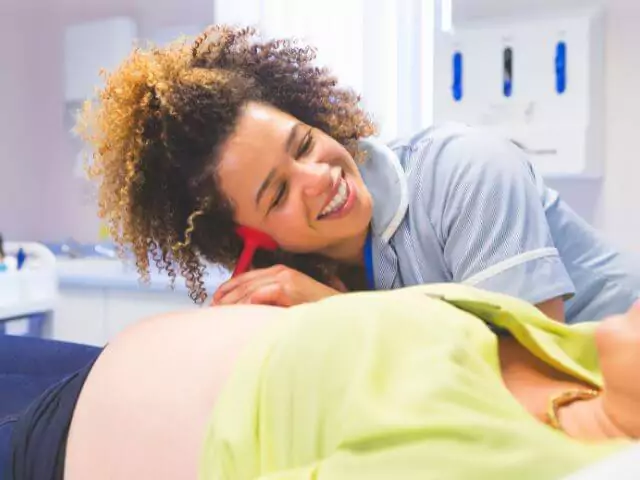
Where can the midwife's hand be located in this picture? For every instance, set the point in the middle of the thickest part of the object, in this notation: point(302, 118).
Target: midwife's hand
point(279, 285)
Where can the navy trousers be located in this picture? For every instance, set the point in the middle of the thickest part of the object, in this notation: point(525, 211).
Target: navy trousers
point(28, 366)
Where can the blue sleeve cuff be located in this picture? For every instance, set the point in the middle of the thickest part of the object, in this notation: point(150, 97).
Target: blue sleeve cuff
point(534, 281)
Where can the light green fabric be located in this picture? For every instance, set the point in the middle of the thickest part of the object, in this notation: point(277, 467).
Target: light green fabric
point(396, 385)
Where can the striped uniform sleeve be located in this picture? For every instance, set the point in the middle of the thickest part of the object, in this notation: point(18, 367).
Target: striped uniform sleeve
point(493, 226)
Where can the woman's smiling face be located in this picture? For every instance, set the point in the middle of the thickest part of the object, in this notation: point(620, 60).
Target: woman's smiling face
point(294, 183)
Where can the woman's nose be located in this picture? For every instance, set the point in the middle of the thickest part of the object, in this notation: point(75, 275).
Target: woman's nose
point(315, 178)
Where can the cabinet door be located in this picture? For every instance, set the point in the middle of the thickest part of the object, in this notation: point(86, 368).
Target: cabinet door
point(124, 308)
point(80, 316)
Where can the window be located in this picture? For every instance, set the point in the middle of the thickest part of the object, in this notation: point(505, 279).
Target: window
point(381, 48)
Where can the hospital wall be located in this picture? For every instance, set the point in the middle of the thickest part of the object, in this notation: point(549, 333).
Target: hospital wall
point(39, 198)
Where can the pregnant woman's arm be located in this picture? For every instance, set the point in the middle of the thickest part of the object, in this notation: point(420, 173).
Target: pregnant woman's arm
point(615, 413)
point(618, 340)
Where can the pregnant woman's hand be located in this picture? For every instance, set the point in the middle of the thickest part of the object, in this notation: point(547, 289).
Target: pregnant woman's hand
point(278, 285)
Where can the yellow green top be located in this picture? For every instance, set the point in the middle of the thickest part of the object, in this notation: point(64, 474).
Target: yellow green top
point(403, 384)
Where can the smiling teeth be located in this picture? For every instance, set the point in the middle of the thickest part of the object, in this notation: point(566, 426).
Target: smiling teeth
point(338, 201)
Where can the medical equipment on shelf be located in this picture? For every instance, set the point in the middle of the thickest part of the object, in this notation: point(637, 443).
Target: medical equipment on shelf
point(539, 81)
point(28, 295)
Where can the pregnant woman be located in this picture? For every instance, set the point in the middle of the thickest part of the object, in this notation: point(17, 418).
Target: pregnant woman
point(441, 382)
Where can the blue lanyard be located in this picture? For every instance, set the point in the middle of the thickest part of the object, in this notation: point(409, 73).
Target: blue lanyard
point(368, 262)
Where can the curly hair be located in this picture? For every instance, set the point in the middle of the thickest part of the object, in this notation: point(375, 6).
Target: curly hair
point(155, 130)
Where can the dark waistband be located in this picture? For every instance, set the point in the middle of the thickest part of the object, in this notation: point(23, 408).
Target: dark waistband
point(39, 438)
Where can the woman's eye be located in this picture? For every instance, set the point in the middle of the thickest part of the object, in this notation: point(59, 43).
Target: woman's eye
point(277, 200)
point(305, 146)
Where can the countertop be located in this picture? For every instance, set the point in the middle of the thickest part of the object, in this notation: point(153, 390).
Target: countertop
point(108, 273)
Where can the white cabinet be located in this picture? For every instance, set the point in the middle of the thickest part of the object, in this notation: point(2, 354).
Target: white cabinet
point(92, 46)
point(95, 315)
point(79, 317)
point(100, 297)
point(539, 81)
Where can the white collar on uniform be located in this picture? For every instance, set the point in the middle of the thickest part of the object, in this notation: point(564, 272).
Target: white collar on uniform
point(386, 180)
